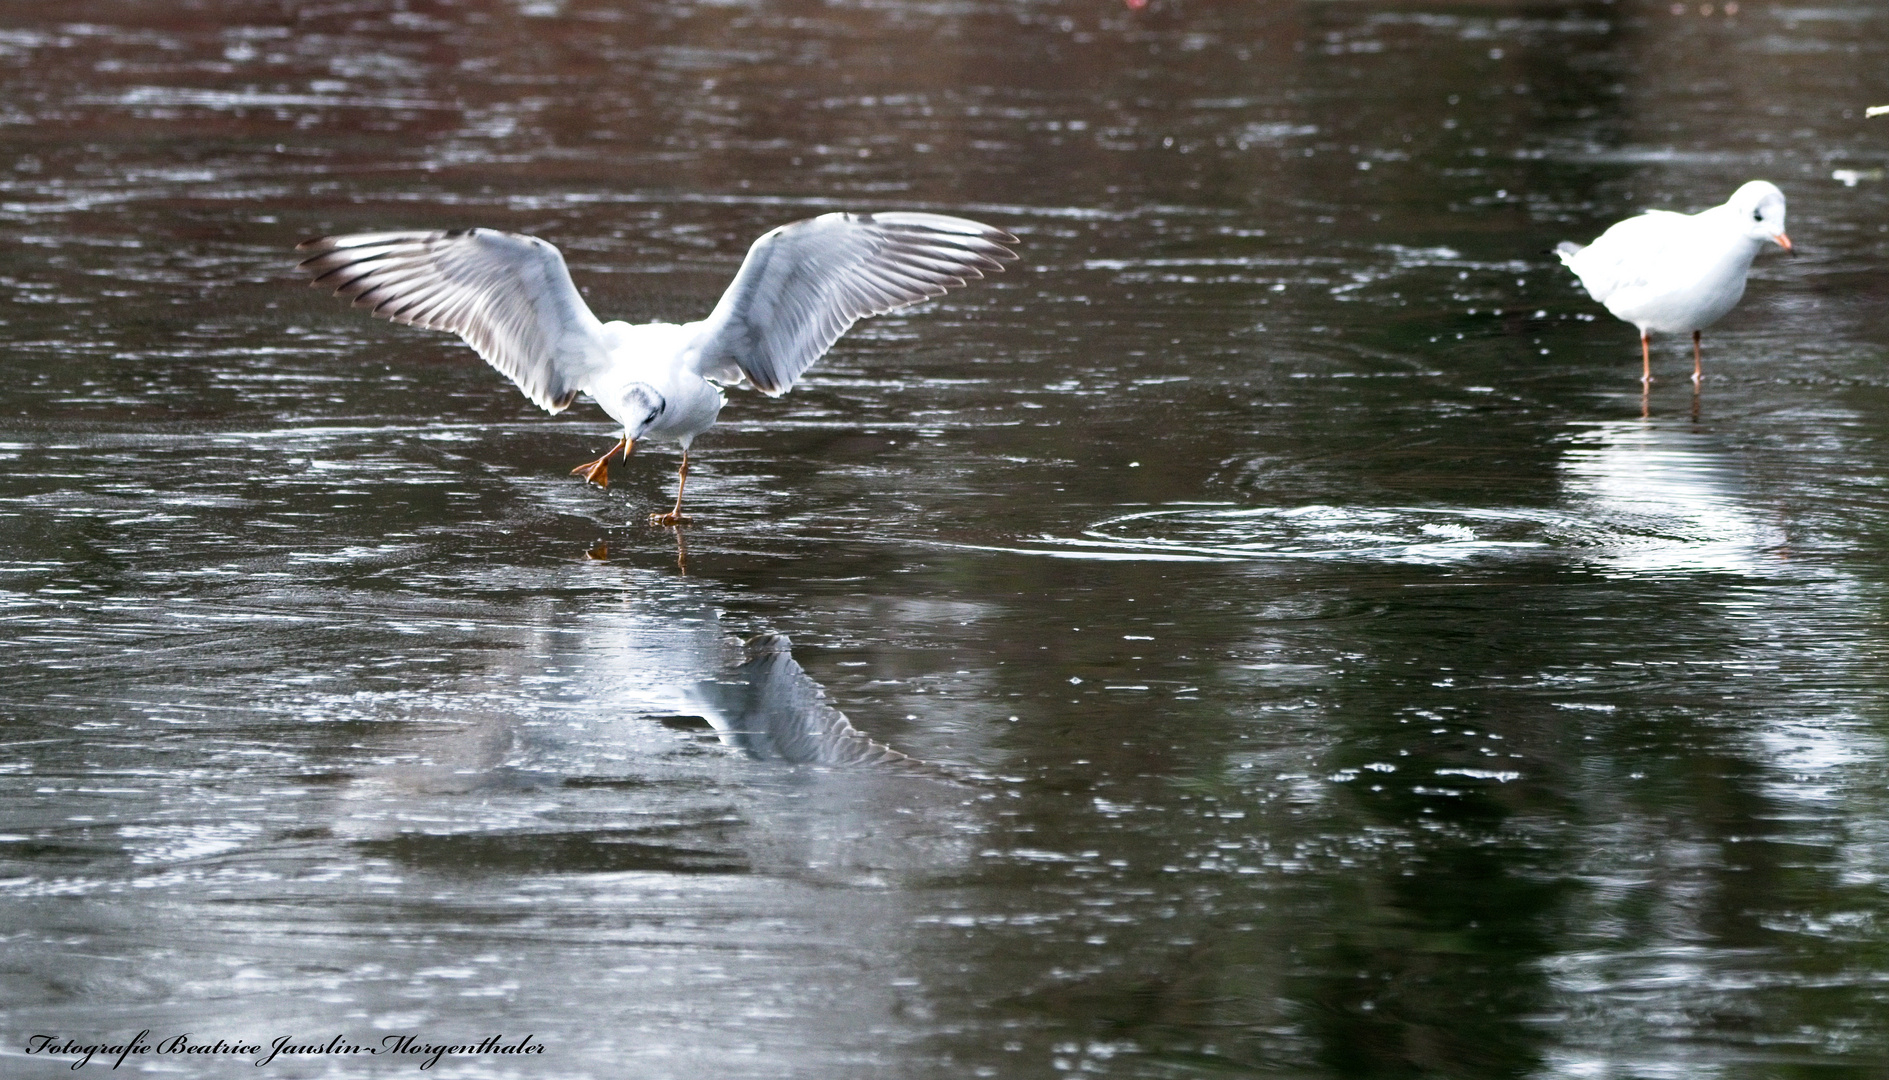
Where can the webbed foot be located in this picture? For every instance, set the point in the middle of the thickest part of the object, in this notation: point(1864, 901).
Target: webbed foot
point(598, 471)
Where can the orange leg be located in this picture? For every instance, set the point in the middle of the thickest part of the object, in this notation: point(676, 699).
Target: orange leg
point(598, 471)
point(674, 517)
point(1697, 366)
point(1646, 362)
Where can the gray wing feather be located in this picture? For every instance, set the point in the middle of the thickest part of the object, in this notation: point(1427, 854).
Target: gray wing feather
point(805, 284)
point(509, 296)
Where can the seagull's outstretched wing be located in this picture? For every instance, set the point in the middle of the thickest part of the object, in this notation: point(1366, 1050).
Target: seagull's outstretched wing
point(804, 284)
point(509, 296)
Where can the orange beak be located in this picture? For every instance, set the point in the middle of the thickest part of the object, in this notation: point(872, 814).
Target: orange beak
point(1785, 243)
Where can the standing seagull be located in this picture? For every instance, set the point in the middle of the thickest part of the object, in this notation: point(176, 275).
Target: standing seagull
point(1676, 272)
point(511, 298)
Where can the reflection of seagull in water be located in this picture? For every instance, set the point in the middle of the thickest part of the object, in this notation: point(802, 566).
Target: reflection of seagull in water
point(511, 298)
point(1671, 272)
point(1660, 499)
point(782, 714)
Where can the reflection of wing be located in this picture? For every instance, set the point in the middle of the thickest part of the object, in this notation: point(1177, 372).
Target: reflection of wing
point(804, 284)
point(509, 296)
point(781, 714)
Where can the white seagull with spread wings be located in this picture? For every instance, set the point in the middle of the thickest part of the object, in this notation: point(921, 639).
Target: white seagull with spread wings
point(511, 298)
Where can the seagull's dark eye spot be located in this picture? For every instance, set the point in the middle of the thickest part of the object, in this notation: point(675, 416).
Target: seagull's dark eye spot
point(1757, 215)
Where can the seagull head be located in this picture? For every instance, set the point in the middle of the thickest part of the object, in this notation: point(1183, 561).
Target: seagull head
point(1759, 207)
point(635, 405)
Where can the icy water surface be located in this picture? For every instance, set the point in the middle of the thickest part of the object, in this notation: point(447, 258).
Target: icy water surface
point(1263, 633)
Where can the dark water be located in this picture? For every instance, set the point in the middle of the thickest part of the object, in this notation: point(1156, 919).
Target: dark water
point(1316, 664)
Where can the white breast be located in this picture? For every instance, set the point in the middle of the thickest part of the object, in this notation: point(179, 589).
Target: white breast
point(644, 359)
